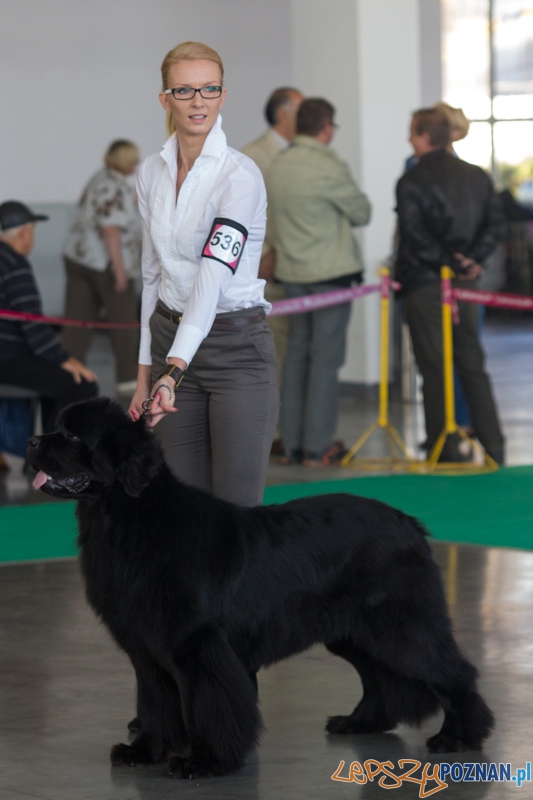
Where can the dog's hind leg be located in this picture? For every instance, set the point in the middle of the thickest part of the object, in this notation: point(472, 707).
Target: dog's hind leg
point(219, 706)
point(408, 674)
point(159, 708)
point(387, 698)
point(467, 718)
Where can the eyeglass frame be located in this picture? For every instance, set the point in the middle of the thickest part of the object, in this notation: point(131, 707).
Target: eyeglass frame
point(211, 97)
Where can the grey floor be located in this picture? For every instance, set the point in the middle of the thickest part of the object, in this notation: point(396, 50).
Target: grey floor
point(66, 692)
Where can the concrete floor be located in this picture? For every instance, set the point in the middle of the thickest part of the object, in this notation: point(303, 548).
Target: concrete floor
point(66, 692)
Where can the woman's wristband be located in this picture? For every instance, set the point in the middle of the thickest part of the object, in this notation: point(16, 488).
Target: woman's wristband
point(174, 372)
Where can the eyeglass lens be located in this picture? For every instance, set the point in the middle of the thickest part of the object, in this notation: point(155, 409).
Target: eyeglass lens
point(187, 92)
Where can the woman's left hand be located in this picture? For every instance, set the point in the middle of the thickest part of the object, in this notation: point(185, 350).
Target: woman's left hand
point(162, 395)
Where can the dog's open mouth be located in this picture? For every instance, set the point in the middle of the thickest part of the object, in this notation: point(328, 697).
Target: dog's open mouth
point(72, 484)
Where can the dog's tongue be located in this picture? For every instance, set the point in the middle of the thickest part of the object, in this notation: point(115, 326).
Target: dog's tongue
point(40, 479)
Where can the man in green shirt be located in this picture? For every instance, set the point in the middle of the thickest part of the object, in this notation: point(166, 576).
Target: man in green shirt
point(313, 205)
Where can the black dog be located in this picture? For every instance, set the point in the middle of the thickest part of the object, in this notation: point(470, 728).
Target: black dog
point(201, 594)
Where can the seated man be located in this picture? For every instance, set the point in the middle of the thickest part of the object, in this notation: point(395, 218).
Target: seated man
point(31, 355)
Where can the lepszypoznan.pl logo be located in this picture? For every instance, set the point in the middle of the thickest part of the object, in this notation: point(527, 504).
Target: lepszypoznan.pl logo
point(431, 778)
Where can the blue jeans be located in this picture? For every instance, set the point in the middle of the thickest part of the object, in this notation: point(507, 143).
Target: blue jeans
point(309, 389)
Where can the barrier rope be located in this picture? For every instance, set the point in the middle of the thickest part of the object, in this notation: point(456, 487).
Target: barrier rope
point(496, 299)
point(21, 316)
point(299, 305)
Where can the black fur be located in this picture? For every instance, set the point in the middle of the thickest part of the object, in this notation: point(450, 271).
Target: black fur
point(201, 593)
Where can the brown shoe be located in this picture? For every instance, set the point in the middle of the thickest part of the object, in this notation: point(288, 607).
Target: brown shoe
point(332, 455)
point(291, 455)
point(277, 448)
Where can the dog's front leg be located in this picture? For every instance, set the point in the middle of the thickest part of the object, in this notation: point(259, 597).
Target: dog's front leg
point(219, 705)
point(159, 709)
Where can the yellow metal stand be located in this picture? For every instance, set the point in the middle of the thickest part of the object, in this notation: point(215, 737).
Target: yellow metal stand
point(450, 425)
point(399, 458)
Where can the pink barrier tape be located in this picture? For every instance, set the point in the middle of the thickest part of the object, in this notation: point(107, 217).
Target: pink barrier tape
point(296, 305)
point(19, 316)
point(500, 300)
point(313, 302)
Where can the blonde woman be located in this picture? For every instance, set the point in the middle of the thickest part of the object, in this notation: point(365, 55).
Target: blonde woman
point(207, 365)
point(102, 259)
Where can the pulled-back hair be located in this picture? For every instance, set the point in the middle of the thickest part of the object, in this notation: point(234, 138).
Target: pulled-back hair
point(187, 51)
point(312, 115)
point(458, 121)
point(278, 99)
point(121, 155)
point(435, 122)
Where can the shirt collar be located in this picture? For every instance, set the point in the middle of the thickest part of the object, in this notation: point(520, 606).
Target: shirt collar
point(281, 140)
point(214, 145)
point(310, 141)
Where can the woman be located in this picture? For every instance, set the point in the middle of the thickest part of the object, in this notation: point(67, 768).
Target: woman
point(207, 360)
point(102, 255)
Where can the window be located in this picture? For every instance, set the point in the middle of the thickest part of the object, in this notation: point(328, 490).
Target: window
point(488, 72)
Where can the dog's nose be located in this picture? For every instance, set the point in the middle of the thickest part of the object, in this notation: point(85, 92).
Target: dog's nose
point(33, 442)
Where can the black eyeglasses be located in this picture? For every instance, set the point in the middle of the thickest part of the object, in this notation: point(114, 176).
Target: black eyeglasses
point(187, 92)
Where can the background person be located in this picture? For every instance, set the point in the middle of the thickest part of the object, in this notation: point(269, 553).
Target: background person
point(203, 206)
point(102, 260)
point(459, 127)
point(31, 355)
point(280, 114)
point(314, 203)
point(448, 214)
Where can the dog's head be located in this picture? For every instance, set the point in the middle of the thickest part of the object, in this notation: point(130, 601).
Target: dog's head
point(95, 446)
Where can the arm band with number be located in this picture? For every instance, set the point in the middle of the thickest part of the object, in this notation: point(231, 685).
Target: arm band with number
point(225, 242)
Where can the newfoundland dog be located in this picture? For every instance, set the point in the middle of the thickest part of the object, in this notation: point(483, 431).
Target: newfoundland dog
point(201, 594)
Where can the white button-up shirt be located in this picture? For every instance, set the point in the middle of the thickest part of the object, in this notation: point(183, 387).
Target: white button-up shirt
point(222, 183)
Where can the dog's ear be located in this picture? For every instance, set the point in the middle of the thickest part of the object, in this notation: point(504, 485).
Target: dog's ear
point(138, 459)
point(130, 454)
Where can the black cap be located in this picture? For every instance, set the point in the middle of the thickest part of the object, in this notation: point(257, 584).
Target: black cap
point(13, 214)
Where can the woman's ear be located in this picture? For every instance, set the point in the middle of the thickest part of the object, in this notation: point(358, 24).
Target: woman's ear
point(163, 99)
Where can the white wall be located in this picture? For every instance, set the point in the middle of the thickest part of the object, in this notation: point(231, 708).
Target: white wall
point(364, 56)
point(76, 75)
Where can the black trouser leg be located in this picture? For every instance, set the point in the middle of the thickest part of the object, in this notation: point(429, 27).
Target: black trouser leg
point(54, 384)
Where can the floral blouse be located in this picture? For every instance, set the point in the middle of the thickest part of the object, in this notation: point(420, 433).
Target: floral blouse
point(107, 200)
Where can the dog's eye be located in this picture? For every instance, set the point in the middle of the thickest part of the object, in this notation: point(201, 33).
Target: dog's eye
point(71, 437)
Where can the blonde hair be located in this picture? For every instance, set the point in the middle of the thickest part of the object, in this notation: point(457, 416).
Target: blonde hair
point(187, 51)
point(121, 155)
point(458, 121)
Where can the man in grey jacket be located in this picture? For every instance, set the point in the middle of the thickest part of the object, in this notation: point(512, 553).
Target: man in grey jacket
point(314, 203)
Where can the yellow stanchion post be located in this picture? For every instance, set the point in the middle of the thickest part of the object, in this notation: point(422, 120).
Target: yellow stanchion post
point(450, 424)
point(399, 455)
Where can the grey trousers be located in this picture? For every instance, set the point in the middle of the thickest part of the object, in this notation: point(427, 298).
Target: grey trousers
point(228, 403)
point(424, 317)
point(88, 291)
point(316, 350)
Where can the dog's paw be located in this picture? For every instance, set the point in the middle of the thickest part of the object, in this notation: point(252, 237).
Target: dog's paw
point(351, 725)
point(179, 767)
point(445, 743)
point(191, 767)
point(131, 756)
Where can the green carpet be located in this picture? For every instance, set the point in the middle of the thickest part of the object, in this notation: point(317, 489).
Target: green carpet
point(494, 509)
